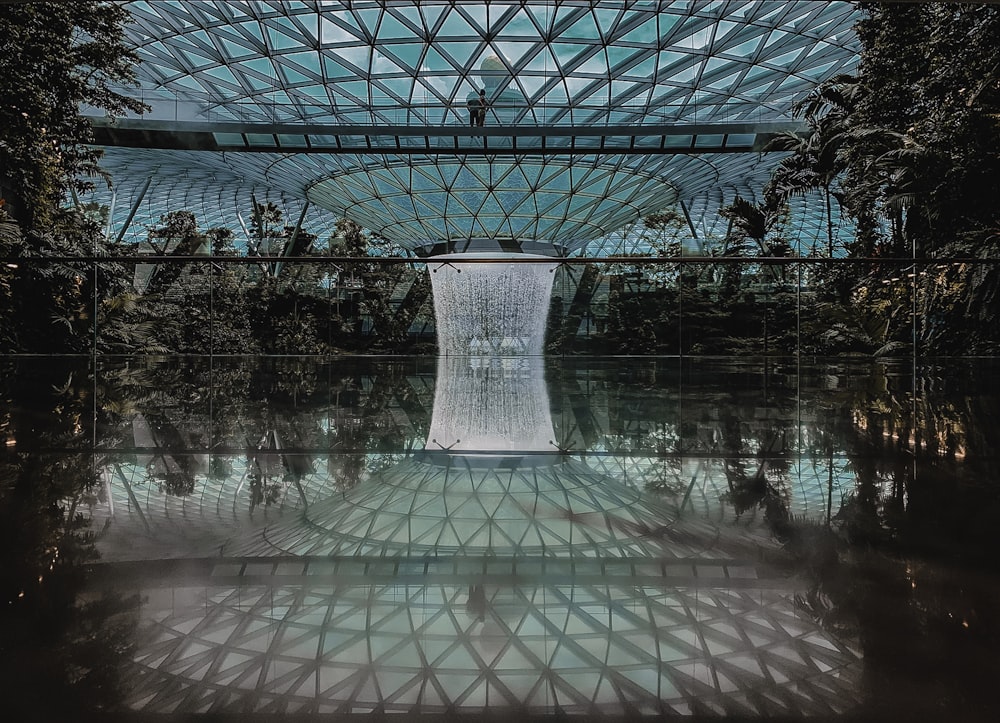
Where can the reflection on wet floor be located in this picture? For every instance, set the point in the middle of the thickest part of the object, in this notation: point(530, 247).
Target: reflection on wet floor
point(582, 536)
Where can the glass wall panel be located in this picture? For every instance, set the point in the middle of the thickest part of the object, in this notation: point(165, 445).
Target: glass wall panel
point(698, 307)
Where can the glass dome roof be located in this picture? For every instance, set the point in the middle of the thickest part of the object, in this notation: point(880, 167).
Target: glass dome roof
point(565, 61)
point(548, 65)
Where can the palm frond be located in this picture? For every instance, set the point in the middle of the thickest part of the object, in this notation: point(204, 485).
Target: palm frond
point(785, 141)
point(10, 232)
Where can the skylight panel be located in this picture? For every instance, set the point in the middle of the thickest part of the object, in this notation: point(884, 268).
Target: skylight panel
point(520, 25)
point(391, 29)
point(643, 34)
point(583, 28)
point(283, 35)
point(368, 19)
point(456, 26)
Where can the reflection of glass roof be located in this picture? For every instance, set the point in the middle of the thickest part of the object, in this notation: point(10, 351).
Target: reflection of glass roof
point(490, 570)
point(457, 507)
point(554, 65)
point(443, 637)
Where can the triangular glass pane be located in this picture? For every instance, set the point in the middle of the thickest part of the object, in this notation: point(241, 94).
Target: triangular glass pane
point(520, 26)
point(542, 61)
point(567, 659)
point(408, 15)
point(309, 23)
point(621, 90)
point(584, 28)
point(390, 29)
point(333, 68)
point(725, 83)
point(514, 52)
point(294, 77)
point(775, 38)
point(200, 38)
point(344, 31)
point(607, 20)
point(384, 65)
point(746, 49)
point(396, 89)
point(819, 72)
point(644, 69)
point(456, 26)
point(232, 49)
point(308, 62)
point(408, 53)
point(368, 19)
point(434, 61)
point(283, 37)
point(757, 71)
point(477, 15)
point(567, 53)
point(668, 61)
point(620, 55)
point(431, 14)
point(251, 30)
point(465, 55)
point(785, 60)
point(222, 73)
point(530, 85)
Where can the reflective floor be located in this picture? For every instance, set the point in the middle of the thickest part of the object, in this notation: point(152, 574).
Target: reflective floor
point(292, 537)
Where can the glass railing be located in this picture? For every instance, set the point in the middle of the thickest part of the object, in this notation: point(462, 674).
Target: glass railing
point(383, 110)
point(687, 306)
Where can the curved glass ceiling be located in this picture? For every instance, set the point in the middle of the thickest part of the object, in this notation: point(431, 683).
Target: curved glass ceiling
point(564, 61)
point(555, 200)
point(554, 65)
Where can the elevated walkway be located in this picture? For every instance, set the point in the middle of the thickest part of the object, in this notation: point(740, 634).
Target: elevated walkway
point(448, 140)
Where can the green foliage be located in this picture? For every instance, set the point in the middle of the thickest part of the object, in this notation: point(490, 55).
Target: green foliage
point(930, 97)
point(58, 56)
point(666, 219)
point(908, 149)
point(762, 223)
point(52, 304)
point(274, 307)
point(368, 287)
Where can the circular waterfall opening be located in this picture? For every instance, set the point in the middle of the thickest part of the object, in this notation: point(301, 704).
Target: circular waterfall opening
point(486, 305)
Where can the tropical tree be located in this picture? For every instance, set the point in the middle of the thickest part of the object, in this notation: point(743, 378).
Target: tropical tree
point(816, 160)
point(761, 223)
point(58, 58)
point(907, 148)
point(369, 286)
point(757, 222)
point(929, 98)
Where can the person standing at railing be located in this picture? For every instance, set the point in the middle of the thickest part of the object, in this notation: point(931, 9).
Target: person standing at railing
point(483, 106)
point(477, 108)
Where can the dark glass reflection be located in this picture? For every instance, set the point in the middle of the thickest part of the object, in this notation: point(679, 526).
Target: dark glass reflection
point(423, 536)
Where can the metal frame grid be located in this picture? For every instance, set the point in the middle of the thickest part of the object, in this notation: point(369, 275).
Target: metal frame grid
point(565, 63)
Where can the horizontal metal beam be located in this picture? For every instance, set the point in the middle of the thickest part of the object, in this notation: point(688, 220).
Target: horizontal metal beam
point(526, 259)
point(450, 140)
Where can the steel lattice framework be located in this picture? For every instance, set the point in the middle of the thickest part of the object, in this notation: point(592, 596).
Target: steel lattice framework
point(466, 586)
point(561, 64)
point(455, 581)
point(360, 636)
